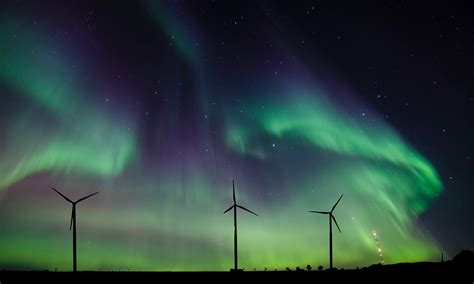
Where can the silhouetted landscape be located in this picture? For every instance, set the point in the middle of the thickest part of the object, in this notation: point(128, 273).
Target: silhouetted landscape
point(462, 263)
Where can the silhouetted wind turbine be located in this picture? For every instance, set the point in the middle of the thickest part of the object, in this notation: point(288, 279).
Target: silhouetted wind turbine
point(331, 218)
point(73, 223)
point(235, 223)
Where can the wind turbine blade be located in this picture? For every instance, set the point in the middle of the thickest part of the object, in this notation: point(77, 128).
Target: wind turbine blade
point(320, 212)
point(73, 216)
point(334, 219)
point(336, 203)
point(64, 196)
point(233, 190)
point(229, 208)
point(241, 207)
point(86, 197)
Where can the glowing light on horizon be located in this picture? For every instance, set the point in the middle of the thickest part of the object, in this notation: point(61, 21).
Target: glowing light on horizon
point(379, 249)
point(165, 174)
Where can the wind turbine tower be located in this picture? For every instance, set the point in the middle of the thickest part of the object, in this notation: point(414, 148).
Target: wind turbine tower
point(234, 206)
point(73, 223)
point(331, 218)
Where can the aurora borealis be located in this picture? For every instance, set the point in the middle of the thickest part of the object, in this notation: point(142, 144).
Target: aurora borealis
point(158, 105)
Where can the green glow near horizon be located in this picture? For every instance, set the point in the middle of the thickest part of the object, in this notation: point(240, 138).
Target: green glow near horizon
point(388, 180)
point(171, 218)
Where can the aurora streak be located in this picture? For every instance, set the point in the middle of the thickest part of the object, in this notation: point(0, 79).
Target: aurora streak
point(291, 145)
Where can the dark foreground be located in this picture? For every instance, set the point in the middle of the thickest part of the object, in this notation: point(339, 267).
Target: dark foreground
point(458, 270)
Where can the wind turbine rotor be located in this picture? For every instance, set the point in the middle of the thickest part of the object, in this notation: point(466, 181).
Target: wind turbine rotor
point(241, 207)
point(334, 219)
point(336, 203)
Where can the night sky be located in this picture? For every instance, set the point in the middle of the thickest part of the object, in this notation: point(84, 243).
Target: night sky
point(158, 105)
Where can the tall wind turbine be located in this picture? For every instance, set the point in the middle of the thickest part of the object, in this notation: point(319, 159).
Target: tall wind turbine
point(331, 218)
point(234, 206)
point(73, 223)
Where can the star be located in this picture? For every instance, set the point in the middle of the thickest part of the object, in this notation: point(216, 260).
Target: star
point(312, 111)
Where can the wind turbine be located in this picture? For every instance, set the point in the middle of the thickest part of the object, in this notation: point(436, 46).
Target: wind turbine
point(234, 206)
point(73, 223)
point(331, 218)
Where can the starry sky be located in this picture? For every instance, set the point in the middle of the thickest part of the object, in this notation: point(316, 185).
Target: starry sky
point(158, 105)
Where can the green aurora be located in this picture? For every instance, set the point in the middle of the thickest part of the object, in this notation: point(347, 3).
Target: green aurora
point(292, 150)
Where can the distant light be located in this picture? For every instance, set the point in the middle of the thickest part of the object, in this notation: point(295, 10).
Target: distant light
point(273, 145)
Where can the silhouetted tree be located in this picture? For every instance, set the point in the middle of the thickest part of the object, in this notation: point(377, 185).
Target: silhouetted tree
point(288, 269)
point(320, 267)
point(308, 267)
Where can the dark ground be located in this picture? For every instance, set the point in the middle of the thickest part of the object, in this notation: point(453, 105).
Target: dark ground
point(458, 270)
